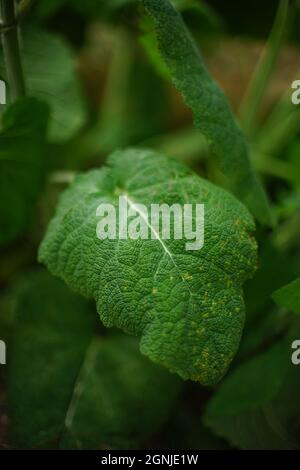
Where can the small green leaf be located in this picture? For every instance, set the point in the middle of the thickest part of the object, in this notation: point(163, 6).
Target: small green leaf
point(187, 306)
point(289, 296)
point(213, 115)
point(22, 164)
point(72, 388)
point(256, 407)
point(49, 69)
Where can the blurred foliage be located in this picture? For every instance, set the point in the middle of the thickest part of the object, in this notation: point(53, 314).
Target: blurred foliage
point(23, 164)
point(83, 382)
point(97, 67)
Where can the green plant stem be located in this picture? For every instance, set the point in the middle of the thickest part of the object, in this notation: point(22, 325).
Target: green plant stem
point(261, 77)
point(11, 49)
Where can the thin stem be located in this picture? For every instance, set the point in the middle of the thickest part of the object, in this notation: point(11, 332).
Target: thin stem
point(11, 49)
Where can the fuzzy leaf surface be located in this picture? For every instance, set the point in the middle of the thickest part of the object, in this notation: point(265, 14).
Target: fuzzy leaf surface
point(212, 113)
point(186, 305)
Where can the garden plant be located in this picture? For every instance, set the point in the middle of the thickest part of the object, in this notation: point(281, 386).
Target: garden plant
point(149, 342)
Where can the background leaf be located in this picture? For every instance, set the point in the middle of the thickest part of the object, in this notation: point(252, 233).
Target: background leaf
point(212, 113)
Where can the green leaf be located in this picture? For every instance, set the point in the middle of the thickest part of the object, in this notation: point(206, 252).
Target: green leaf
point(213, 115)
point(187, 306)
point(49, 69)
point(256, 407)
point(72, 388)
point(289, 296)
point(22, 164)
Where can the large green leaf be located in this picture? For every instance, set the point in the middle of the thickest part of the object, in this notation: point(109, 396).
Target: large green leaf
point(22, 164)
point(49, 69)
point(187, 306)
point(212, 113)
point(257, 406)
point(70, 387)
point(289, 296)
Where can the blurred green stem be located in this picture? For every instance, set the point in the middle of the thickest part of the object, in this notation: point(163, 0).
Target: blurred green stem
point(11, 49)
point(62, 177)
point(268, 165)
point(254, 95)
